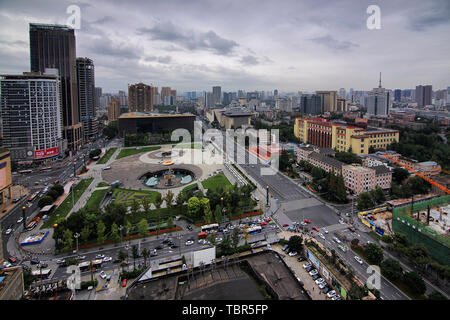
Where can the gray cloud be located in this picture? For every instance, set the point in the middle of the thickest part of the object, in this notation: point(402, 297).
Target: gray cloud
point(437, 14)
point(165, 59)
point(192, 40)
point(334, 44)
point(249, 61)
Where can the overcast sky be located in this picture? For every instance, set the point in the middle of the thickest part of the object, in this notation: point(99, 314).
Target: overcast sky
point(247, 44)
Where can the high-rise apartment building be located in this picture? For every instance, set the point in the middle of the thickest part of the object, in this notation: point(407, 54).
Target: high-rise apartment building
point(140, 98)
point(329, 100)
point(423, 95)
point(86, 97)
point(53, 46)
point(311, 104)
point(342, 93)
point(31, 116)
point(98, 95)
point(113, 109)
point(165, 92)
point(397, 95)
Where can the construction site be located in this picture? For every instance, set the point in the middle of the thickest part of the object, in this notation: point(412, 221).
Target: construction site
point(426, 222)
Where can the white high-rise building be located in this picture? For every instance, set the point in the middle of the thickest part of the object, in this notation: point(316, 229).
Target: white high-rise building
point(378, 101)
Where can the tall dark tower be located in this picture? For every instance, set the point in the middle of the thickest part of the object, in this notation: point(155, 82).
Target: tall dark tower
point(86, 97)
point(53, 46)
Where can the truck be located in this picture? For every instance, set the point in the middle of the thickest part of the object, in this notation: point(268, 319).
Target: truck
point(202, 235)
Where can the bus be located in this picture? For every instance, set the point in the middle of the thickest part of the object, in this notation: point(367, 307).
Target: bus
point(42, 273)
point(46, 169)
point(210, 227)
point(84, 265)
point(254, 230)
point(25, 171)
point(33, 196)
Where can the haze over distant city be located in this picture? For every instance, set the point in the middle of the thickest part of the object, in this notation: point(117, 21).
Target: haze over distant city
point(250, 45)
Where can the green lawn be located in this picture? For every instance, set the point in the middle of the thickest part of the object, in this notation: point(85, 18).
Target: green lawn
point(94, 201)
point(106, 156)
point(102, 184)
point(66, 205)
point(216, 182)
point(129, 152)
point(126, 196)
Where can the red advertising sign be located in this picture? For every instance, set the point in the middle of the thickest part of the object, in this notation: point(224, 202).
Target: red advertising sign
point(39, 154)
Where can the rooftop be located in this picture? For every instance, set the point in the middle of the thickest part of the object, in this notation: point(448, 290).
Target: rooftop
point(328, 160)
point(381, 169)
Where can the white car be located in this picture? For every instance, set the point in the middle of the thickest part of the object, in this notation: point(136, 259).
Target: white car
point(336, 297)
point(99, 256)
point(292, 254)
point(60, 261)
point(358, 259)
point(331, 294)
point(337, 240)
point(322, 285)
point(304, 223)
point(20, 220)
point(189, 242)
point(313, 272)
point(107, 259)
point(103, 275)
point(8, 231)
point(218, 239)
point(322, 236)
point(319, 281)
point(307, 265)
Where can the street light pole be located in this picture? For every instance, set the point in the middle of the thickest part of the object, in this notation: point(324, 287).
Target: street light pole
point(267, 195)
point(120, 229)
point(24, 220)
point(76, 235)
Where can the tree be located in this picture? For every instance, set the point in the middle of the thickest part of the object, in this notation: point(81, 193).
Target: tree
point(85, 233)
point(354, 242)
point(45, 201)
point(95, 153)
point(122, 256)
point(169, 199)
point(415, 282)
point(53, 194)
point(146, 203)
point(101, 232)
point(158, 200)
point(170, 223)
point(207, 213)
point(180, 199)
point(115, 232)
point(135, 206)
point(435, 295)
point(128, 228)
point(194, 207)
point(365, 201)
point(377, 195)
point(68, 239)
point(235, 238)
point(145, 254)
point(392, 269)
point(135, 255)
point(218, 214)
point(142, 228)
point(374, 253)
point(399, 175)
point(111, 130)
point(295, 243)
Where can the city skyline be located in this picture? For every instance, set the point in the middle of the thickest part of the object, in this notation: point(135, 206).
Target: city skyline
point(242, 46)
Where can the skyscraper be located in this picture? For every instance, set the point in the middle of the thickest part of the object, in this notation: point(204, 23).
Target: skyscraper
point(329, 100)
point(397, 95)
point(423, 95)
point(53, 46)
point(378, 101)
point(98, 95)
point(311, 104)
point(140, 98)
point(217, 95)
point(86, 97)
